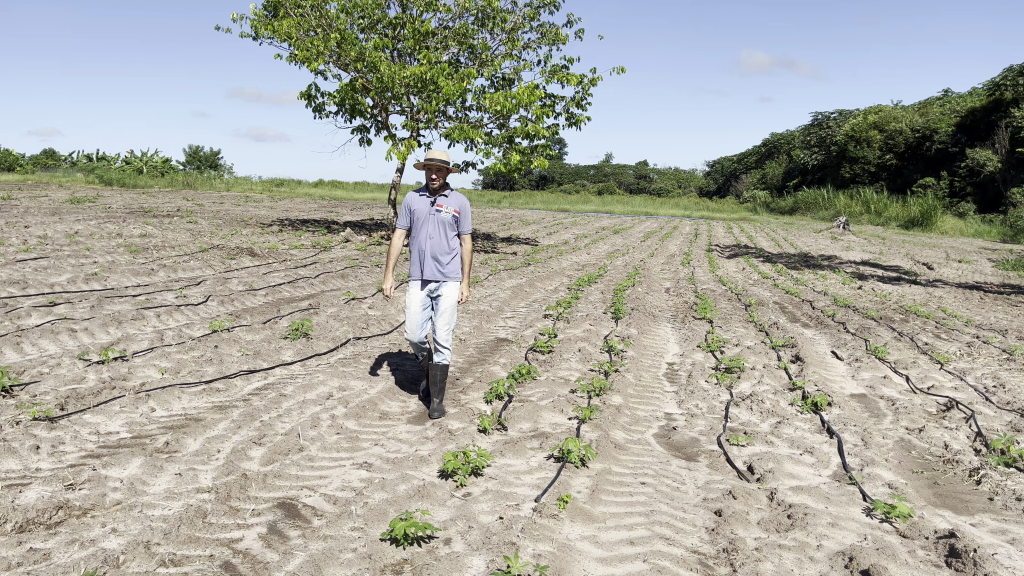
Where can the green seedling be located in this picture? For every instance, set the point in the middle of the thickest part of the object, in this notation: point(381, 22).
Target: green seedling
point(523, 372)
point(593, 388)
point(991, 340)
point(830, 313)
point(1006, 454)
point(461, 465)
point(798, 384)
point(77, 200)
point(782, 365)
point(82, 356)
point(842, 302)
point(350, 294)
point(853, 480)
point(1015, 349)
point(897, 510)
point(545, 346)
point(549, 333)
point(810, 403)
point(515, 567)
point(405, 530)
point(491, 422)
point(36, 411)
point(779, 344)
point(880, 352)
point(737, 440)
point(713, 342)
point(298, 330)
point(940, 357)
point(563, 501)
point(221, 325)
point(7, 381)
point(586, 413)
point(873, 314)
point(919, 311)
point(95, 572)
point(499, 390)
point(607, 368)
point(956, 315)
point(574, 451)
point(161, 372)
point(734, 364)
point(108, 355)
point(616, 348)
point(705, 308)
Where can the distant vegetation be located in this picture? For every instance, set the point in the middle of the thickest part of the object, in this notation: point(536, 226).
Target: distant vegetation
point(952, 163)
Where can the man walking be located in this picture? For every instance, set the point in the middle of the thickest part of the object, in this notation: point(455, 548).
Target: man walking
point(437, 220)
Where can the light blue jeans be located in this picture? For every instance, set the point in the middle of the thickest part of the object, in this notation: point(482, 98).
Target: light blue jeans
point(426, 303)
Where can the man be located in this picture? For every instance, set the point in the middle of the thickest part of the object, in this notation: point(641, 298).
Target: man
point(437, 220)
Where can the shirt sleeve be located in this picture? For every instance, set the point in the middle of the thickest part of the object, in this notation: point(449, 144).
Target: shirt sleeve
point(465, 220)
point(404, 221)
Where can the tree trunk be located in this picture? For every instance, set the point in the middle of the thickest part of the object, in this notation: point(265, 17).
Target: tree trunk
point(396, 184)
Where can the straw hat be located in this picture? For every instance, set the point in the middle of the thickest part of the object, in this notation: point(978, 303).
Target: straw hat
point(438, 157)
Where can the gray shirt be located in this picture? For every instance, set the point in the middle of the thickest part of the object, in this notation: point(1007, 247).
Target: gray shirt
point(435, 224)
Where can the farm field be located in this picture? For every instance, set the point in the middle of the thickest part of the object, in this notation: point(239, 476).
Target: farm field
point(748, 390)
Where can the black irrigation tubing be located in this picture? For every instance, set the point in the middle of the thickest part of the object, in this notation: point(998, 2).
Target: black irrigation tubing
point(920, 349)
point(832, 432)
point(725, 426)
point(136, 295)
point(285, 315)
point(145, 351)
point(231, 376)
point(44, 324)
point(299, 279)
point(200, 251)
point(942, 367)
point(933, 320)
point(32, 259)
point(579, 429)
point(187, 305)
point(971, 416)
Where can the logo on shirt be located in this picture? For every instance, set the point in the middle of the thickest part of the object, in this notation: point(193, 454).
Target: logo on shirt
point(448, 211)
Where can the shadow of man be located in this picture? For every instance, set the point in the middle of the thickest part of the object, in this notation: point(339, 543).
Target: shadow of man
point(404, 369)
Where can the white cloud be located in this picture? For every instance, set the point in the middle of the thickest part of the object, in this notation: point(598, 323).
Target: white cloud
point(257, 134)
point(48, 132)
point(257, 96)
point(757, 62)
point(765, 99)
point(198, 114)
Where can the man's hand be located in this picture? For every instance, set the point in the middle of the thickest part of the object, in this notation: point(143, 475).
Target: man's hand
point(463, 293)
point(394, 249)
point(388, 286)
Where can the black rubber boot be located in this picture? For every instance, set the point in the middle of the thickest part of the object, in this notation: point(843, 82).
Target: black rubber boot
point(438, 379)
point(424, 384)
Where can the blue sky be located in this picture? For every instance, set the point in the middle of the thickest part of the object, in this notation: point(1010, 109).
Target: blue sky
point(704, 79)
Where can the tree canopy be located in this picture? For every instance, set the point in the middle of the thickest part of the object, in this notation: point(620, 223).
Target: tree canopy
point(489, 76)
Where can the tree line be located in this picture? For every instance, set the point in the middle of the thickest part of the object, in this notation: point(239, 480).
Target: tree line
point(195, 158)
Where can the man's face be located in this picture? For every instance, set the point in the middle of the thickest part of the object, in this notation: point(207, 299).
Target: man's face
point(437, 177)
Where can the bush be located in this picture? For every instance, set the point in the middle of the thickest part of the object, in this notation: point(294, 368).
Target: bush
point(605, 189)
point(48, 158)
point(11, 161)
point(205, 160)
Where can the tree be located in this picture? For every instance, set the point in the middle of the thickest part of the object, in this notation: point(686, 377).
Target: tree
point(46, 158)
point(206, 160)
point(11, 161)
point(487, 75)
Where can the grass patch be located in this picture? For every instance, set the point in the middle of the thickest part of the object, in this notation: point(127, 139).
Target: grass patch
point(1011, 265)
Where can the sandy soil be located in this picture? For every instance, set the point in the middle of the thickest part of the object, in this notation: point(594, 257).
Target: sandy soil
point(239, 452)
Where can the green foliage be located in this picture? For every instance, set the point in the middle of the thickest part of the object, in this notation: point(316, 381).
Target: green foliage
point(918, 311)
point(76, 200)
point(36, 411)
point(509, 89)
point(545, 346)
point(809, 403)
point(594, 387)
point(705, 307)
point(897, 510)
point(563, 501)
point(587, 413)
point(221, 325)
point(490, 422)
point(880, 352)
point(11, 161)
point(108, 355)
point(499, 390)
point(1011, 265)
point(574, 451)
point(298, 329)
point(461, 465)
point(738, 440)
point(713, 342)
point(940, 357)
point(842, 302)
point(616, 348)
point(145, 162)
point(515, 567)
point(406, 530)
point(798, 384)
point(204, 160)
point(618, 305)
point(780, 343)
point(1006, 454)
point(607, 368)
point(7, 380)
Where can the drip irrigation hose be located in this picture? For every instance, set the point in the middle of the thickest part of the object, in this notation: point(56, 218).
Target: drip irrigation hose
point(725, 425)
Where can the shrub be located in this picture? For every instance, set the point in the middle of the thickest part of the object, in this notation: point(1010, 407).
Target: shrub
point(11, 161)
point(605, 189)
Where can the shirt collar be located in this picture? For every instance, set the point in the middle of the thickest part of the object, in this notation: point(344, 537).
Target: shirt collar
point(424, 191)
